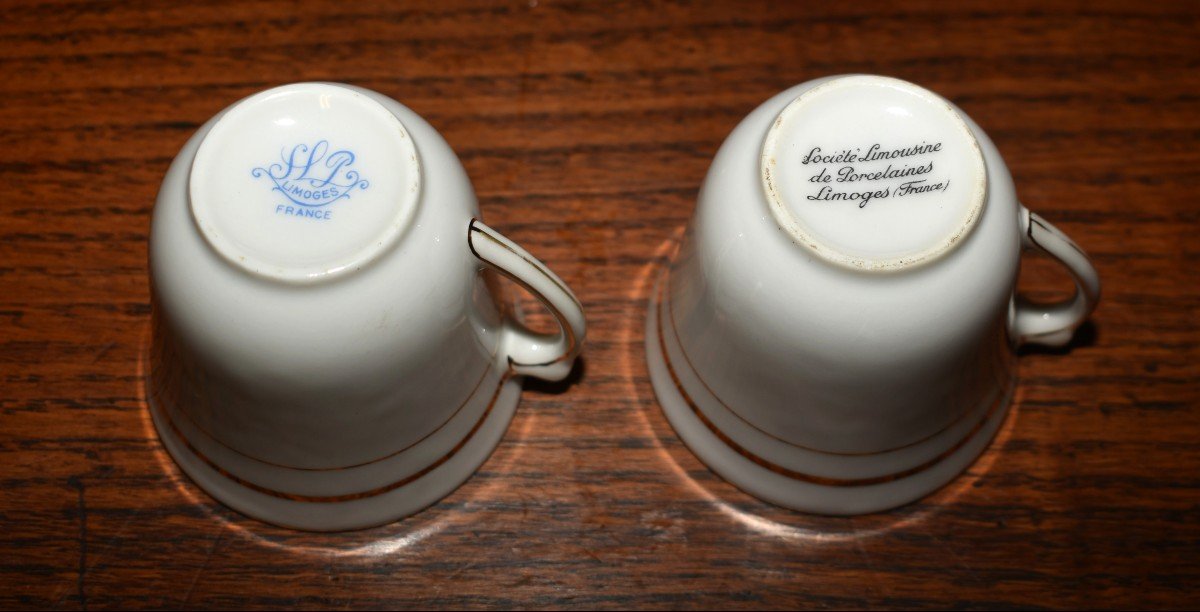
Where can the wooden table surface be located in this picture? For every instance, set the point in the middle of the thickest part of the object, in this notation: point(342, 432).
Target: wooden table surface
point(587, 128)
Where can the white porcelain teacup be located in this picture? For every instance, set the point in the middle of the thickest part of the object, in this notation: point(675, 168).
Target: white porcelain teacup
point(835, 333)
point(326, 353)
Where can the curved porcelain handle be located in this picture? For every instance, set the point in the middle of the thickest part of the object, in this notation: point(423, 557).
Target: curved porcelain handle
point(547, 357)
point(1054, 324)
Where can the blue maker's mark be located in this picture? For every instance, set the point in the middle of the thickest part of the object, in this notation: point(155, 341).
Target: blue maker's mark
point(312, 176)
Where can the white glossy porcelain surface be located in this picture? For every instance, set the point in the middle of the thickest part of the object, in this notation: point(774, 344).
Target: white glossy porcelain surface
point(815, 483)
point(840, 343)
point(335, 357)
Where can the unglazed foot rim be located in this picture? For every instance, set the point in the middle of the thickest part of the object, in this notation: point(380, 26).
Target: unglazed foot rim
point(776, 488)
point(915, 193)
point(360, 513)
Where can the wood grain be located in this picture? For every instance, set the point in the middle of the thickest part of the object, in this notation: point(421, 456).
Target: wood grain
point(587, 128)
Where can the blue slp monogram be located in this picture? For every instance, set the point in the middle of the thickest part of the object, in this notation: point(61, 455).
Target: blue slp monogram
point(312, 177)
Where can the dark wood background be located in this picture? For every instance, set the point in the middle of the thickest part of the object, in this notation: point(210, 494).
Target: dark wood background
point(587, 128)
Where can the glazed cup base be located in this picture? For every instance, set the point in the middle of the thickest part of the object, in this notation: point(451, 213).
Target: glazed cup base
point(359, 513)
point(754, 477)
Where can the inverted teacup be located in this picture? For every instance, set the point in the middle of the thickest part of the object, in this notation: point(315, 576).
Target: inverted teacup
point(836, 331)
point(327, 352)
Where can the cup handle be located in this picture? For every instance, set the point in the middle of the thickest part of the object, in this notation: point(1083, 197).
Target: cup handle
point(549, 357)
point(1054, 324)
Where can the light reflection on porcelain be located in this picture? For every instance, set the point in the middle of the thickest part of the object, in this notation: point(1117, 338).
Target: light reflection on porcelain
point(836, 332)
point(345, 371)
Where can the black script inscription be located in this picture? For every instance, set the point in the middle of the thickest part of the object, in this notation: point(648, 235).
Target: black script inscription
point(874, 172)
